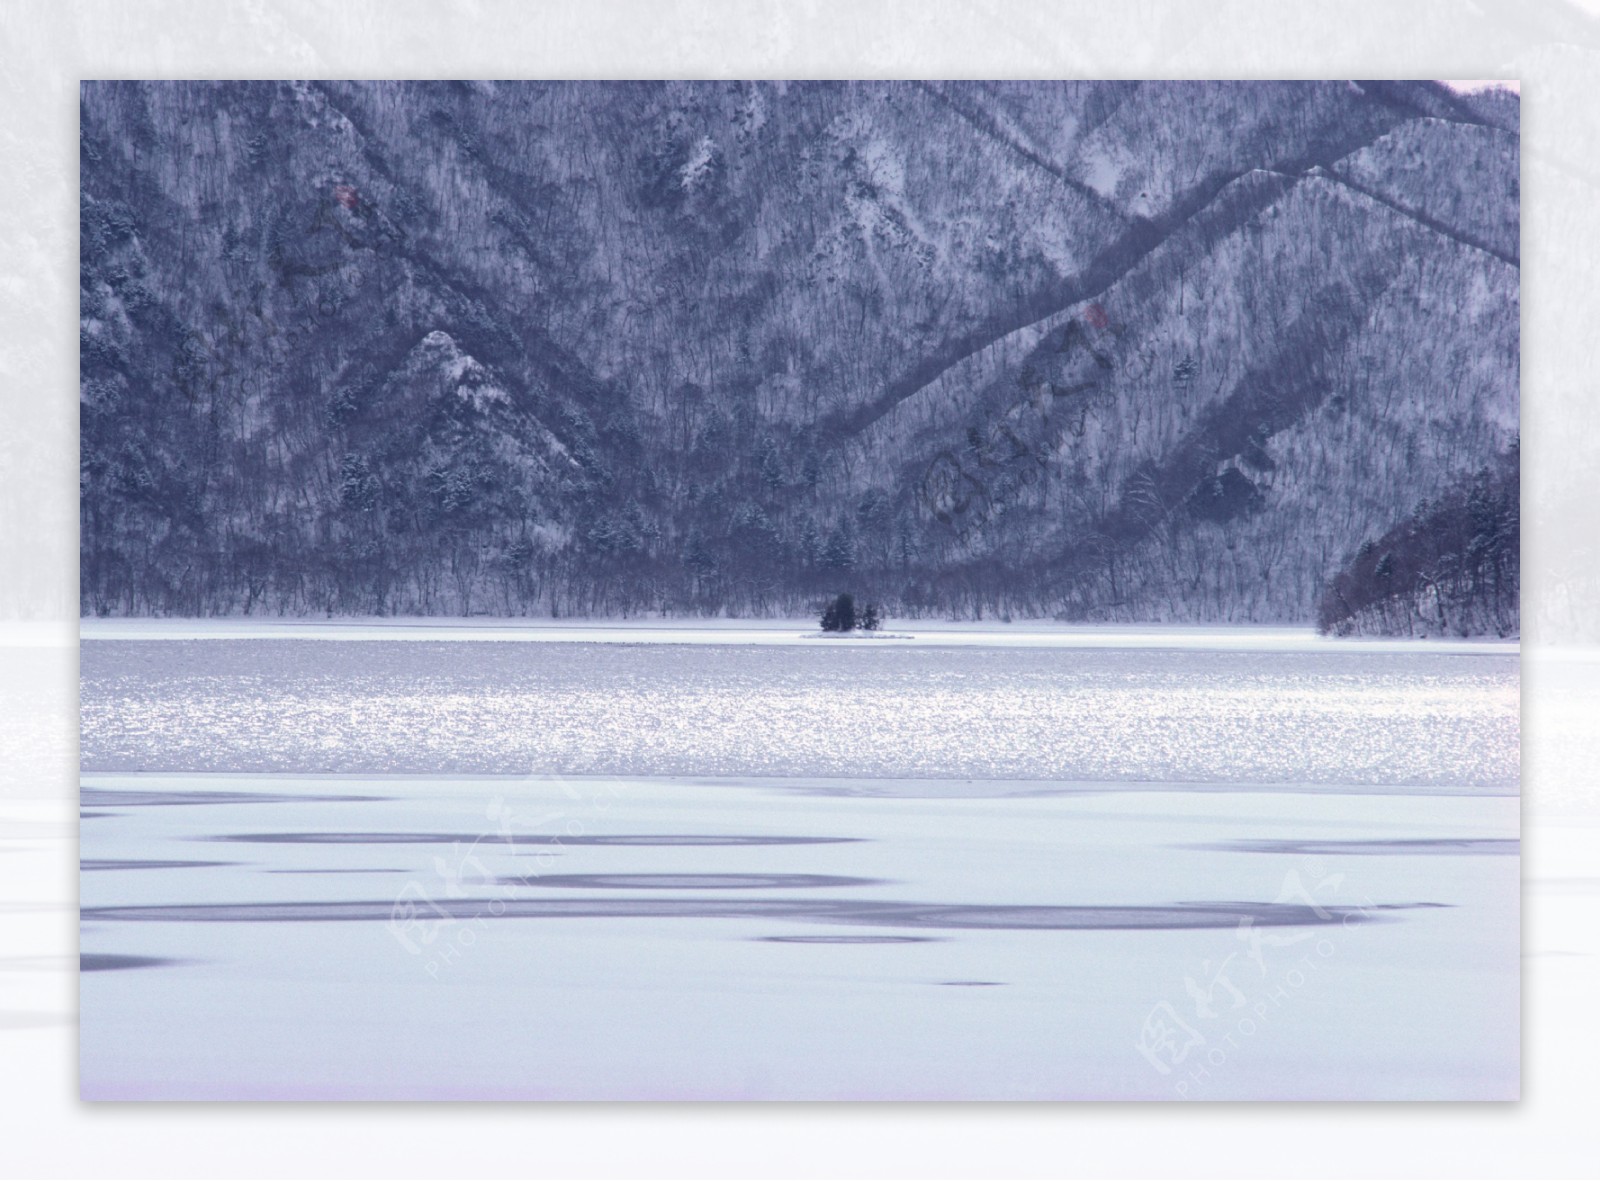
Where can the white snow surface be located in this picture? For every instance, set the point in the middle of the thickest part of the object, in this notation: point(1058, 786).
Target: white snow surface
point(421, 1002)
point(937, 633)
point(1261, 868)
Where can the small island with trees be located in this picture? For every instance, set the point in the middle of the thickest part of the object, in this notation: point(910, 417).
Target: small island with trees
point(840, 617)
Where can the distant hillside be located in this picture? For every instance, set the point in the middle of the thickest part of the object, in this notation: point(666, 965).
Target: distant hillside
point(1100, 350)
point(1451, 567)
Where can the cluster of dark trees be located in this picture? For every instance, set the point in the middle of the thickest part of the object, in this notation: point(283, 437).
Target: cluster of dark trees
point(1452, 568)
point(840, 615)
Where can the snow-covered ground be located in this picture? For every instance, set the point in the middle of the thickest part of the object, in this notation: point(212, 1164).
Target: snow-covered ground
point(938, 633)
point(859, 871)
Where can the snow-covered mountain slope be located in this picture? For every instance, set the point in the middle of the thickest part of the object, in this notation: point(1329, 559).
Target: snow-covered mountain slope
point(1138, 351)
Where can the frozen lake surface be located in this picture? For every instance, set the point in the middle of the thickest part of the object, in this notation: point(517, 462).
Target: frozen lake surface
point(430, 869)
point(1334, 716)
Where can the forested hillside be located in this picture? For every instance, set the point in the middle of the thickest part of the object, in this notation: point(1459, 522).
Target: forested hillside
point(1159, 351)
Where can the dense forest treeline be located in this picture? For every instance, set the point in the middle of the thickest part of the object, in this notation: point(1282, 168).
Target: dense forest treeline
point(1092, 350)
point(1452, 568)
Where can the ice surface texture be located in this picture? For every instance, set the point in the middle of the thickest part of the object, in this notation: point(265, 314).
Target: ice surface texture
point(1308, 718)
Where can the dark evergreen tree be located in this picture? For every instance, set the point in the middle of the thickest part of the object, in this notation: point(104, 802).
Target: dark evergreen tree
point(840, 552)
point(840, 615)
